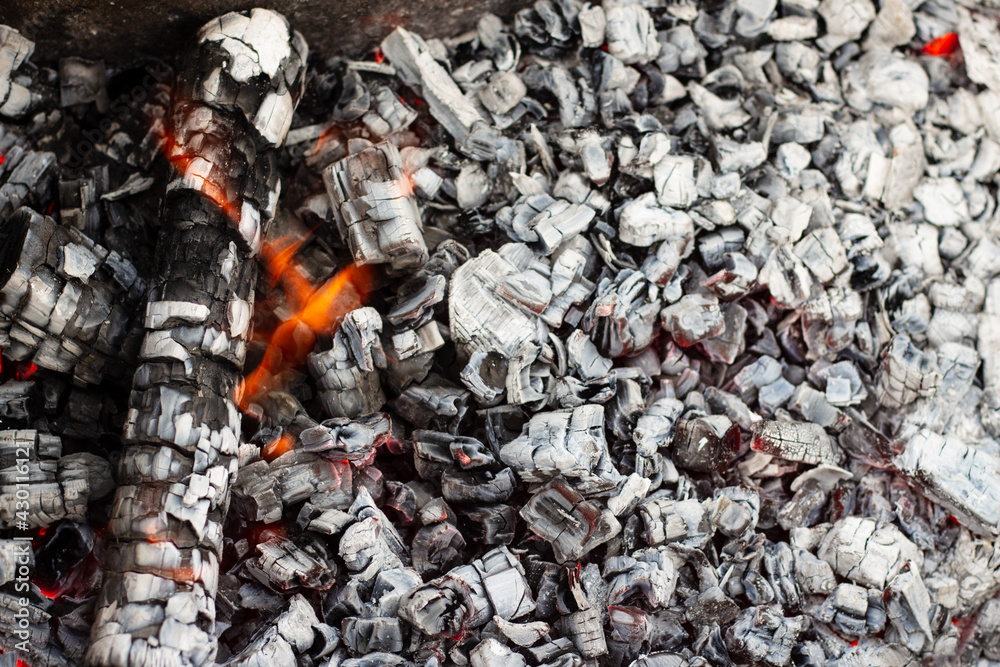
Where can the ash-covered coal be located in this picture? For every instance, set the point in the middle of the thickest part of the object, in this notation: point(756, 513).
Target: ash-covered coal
point(659, 334)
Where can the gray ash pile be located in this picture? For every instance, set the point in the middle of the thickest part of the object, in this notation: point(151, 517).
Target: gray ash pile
point(643, 334)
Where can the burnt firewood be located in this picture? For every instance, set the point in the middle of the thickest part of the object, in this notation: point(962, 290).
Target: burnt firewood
point(39, 486)
point(238, 92)
point(376, 214)
point(69, 305)
point(469, 596)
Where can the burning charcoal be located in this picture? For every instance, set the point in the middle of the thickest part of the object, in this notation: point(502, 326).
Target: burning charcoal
point(705, 443)
point(73, 309)
point(845, 21)
point(632, 135)
point(58, 487)
point(796, 441)
point(905, 374)
point(667, 521)
point(572, 525)
point(491, 653)
point(955, 475)
point(631, 35)
point(908, 606)
point(347, 372)
point(195, 343)
point(283, 564)
point(348, 440)
point(866, 553)
point(469, 596)
point(283, 640)
point(15, 98)
point(483, 319)
point(569, 443)
point(853, 610)
point(418, 69)
point(376, 215)
point(581, 622)
point(642, 222)
point(621, 318)
point(544, 222)
point(692, 319)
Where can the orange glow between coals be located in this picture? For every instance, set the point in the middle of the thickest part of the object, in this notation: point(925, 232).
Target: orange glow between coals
point(279, 446)
point(945, 45)
point(317, 311)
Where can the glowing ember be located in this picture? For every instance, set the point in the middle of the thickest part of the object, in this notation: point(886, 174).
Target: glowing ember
point(280, 446)
point(25, 370)
point(942, 46)
point(181, 158)
point(323, 138)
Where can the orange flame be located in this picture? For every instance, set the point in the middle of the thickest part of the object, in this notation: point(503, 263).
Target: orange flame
point(942, 46)
point(277, 257)
point(318, 311)
point(323, 138)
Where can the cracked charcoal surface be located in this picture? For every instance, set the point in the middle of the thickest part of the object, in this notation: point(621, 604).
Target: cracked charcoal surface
point(680, 347)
